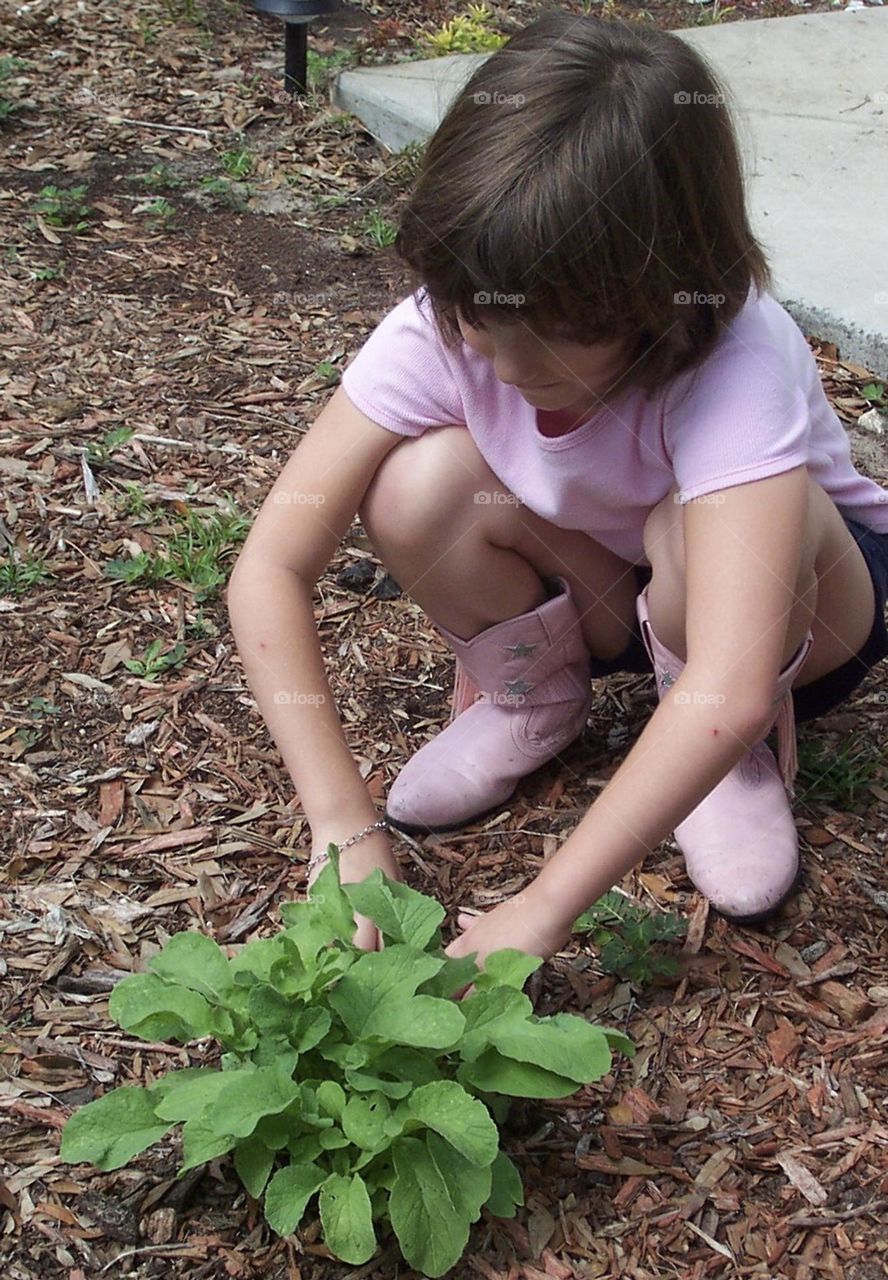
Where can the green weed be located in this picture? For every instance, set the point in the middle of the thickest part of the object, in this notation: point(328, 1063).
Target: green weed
point(629, 937)
point(99, 453)
point(321, 66)
point(470, 33)
point(64, 207)
point(874, 392)
point(155, 662)
point(160, 214)
point(224, 193)
point(237, 164)
point(160, 177)
point(195, 555)
point(8, 68)
point(378, 229)
point(18, 576)
point(836, 777)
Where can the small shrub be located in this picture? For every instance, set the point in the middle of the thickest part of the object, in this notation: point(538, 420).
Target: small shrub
point(469, 33)
point(64, 207)
point(628, 936)
point(354, 1076)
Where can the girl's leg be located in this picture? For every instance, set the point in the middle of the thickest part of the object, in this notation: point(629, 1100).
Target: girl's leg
point(834, 594)
point(470, 554)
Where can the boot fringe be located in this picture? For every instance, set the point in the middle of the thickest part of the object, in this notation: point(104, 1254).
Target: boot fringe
point(464, 692)
point(787, 753)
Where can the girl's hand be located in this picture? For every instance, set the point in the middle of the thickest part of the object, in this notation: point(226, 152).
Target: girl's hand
point(355, 864)
point(522, 922)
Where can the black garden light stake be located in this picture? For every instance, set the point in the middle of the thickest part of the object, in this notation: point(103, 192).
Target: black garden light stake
point(296, 14)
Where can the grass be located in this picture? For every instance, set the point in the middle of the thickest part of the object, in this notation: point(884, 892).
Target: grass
point(155, 661)
point(225, 193)
point(17, 576)
point(238, 164)
point(837, 778)
point(321, 66)
point(8, 68)
point(378, 229)
point(195, 555)
point(160, 177)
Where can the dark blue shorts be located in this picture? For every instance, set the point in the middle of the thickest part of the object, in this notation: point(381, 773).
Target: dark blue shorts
point(827, 692)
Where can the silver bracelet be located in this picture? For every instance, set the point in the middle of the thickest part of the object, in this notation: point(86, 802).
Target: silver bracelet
point(374, 826)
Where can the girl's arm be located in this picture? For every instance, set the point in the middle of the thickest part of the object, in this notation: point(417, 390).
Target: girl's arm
point(742, 559)
point(294, 537)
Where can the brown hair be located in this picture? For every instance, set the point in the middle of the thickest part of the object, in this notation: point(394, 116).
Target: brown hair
point(589, 168)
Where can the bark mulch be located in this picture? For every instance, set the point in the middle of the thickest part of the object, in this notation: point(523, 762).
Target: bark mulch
point(749, 1136)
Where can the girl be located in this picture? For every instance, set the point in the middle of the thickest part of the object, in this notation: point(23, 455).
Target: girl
point(589, 411)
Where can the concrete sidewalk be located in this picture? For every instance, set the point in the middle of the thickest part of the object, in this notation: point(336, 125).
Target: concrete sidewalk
point(809, 95)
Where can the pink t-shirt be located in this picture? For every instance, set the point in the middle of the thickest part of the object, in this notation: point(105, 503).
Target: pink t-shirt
point(754, 408)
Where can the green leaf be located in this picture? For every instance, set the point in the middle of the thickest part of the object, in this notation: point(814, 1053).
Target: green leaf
point(564, 1044)
point(365, 1118)
point(507, 1192)
point(484, 1011)
point(243, 1103)
point(201, 1143)
point(403, 914)
point(288, 1193)
point(113, 1129)
point(463, 1120)
point(507, 968)
point(375, 999)
point(347, 1218)
point(331, 1098)
point(492, 1073)
point(188, 1098)
point(147, 1007)
point(430, 1211)
point(253, 1161)
point(618, 1042)
point(193, 960)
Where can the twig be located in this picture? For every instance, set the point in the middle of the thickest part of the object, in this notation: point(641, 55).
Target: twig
point(150, 124)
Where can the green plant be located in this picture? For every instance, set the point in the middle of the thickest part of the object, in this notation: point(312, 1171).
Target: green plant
point(836, 777)
point(154, 663)
point(193, 555)
point(222, 191)
point(8, 67)
point(469, 33)
point(48, 273)
point(159, 212)
point(327, 371)
point(874, 392)
point(98, 453)
point(708, 17)
point(132, 501)
point(64, 207)
point(628, 936)
point(357, 1071)
point(160, 177)
point(378, 229)
point(237, 164)
point(17, 575)
point(186, 10)
point(320, 66)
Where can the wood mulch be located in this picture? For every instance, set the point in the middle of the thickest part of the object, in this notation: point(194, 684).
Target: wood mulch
point(749, 1136)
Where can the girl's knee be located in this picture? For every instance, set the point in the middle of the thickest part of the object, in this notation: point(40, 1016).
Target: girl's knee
point(421, 482)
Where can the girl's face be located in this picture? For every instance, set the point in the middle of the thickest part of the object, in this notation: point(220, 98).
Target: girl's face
point(550, 373)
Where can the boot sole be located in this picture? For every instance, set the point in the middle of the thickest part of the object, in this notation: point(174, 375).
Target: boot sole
point(761, 916)
point(412, 829)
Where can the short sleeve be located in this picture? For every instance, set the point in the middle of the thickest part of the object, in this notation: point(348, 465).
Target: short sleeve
point(401, 377)
point(740, 416)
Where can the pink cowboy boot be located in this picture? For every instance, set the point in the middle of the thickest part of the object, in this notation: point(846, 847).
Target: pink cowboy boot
point(740, 844)
point(521, 694)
